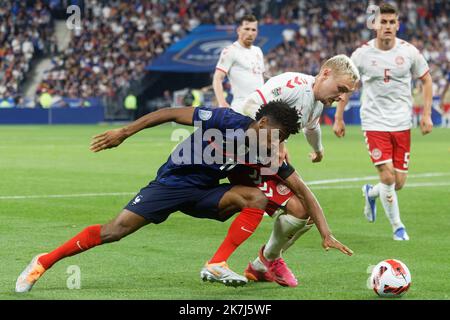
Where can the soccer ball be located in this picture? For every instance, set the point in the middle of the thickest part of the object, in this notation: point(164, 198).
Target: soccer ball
point(390, 278)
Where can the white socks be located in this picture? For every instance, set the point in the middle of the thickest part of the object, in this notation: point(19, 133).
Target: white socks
point(375, 191)
point(285, 229)
point(297, 235)
point(389, 200)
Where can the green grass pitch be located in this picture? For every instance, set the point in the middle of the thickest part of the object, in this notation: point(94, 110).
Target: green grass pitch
point(163, 261)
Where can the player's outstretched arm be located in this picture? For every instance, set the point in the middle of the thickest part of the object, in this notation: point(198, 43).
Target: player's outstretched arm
point(113, 138)
point(339, 124)
point(301, 190)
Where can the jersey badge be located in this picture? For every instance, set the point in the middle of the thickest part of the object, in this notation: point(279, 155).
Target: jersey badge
point(399, 60)
point(205, 114)
point(276, 92)
point(282, 189)
point(376, 154)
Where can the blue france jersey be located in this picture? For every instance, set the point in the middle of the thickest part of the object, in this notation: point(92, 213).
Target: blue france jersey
point(187, 165)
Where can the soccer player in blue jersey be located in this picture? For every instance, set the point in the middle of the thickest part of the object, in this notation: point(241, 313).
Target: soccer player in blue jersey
point(187, 182)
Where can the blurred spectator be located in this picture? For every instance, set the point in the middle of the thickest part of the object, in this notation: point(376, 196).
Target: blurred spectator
point(119, 38)
point(330, 28)
point(26, 28)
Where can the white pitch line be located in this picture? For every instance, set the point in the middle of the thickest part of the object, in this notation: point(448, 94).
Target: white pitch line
point(419, 175)
point(76, 195)
point(407, 185)
point(313, 185)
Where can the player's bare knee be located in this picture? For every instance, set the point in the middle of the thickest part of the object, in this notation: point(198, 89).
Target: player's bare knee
point(387, 176)
point(295, 208)
point(399, 185)
point(113, 232)
point(256, 199)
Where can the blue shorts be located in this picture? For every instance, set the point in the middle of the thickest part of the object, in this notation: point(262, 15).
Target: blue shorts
point(156, 201)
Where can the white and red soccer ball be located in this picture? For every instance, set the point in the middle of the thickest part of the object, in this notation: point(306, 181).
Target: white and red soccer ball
point(390, 278)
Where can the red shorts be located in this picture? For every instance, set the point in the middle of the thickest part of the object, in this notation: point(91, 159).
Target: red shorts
point(272, 186)
point(389, 147)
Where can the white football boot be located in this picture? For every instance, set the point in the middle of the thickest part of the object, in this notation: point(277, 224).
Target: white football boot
point(30, 275)
point(401, 235)
point(220, 272)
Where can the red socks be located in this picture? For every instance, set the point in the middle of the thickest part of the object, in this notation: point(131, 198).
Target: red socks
point(240, 230)
point(86, 239)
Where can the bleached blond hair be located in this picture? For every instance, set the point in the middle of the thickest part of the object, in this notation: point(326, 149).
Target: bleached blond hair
point(342, 65)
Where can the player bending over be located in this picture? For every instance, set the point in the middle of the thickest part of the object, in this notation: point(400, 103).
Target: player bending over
point(307, 94)
point(191, 186)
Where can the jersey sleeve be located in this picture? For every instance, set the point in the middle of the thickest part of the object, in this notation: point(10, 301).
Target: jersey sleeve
point(206, 117)
point(419, 66)
point(217, 118)
point(280, 87)
point(313, 124)
point(226, 60)
point(285, 170)
point(356, 58)
point(264, 69)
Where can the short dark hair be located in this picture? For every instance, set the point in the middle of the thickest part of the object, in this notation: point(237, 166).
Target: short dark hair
point(388, 8)
point(248, 18)
point(281, 113)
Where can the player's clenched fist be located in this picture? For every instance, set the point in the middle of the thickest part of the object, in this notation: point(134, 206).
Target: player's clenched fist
point(108, 139)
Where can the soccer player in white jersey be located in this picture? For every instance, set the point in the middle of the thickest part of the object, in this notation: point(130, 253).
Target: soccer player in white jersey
point(242, 63)
point(308, 94)
point(387, 65)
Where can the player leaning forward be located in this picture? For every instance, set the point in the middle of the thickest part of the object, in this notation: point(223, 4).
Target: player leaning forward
point(387, 65)
point(308, 94)
point(190, 183)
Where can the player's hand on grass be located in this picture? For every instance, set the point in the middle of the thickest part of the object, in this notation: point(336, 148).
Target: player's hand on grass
point(331, 242)
point(316, 156)
point(426, 124)
point(339, 128)
point(106, 140)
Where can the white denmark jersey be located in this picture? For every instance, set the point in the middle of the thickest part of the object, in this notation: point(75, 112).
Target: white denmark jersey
point(296, 89)
point(244, 68)
point(386, 103)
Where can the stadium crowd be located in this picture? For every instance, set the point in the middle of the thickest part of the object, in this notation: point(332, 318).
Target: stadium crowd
point(340, 27)
point(119, 38)
point(25, 31)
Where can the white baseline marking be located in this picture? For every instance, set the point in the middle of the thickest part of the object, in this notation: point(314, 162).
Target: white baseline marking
point(76, 195)
point(313, 185)
point(419, 175)
point(407, 185)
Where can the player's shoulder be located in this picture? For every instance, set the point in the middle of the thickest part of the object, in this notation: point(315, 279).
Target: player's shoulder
point(406, 46)
point(257, 49)
point(364, 47)
point(230, 119)
point(291, 74)
point(230, 48)
point(291, 80)
point(221, 112)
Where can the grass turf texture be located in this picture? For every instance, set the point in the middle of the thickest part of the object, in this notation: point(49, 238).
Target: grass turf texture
point(163, 261)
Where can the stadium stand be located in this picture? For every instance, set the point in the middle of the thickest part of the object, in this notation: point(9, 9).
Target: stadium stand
point(25, 32)
point(119, 38)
